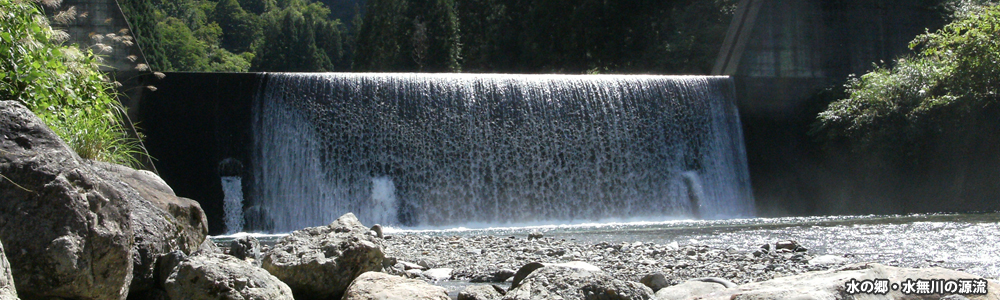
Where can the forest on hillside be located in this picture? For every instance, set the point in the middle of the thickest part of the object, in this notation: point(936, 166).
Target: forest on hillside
point(523, 36)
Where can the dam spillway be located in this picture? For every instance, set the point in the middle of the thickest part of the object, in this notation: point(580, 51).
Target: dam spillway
point(456, 149)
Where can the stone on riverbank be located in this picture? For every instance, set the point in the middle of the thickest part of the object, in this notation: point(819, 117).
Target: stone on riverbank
point(320, 262)
point(161, 221)
point(481, 292)
point(70, 226)
point(7, 290)
point(378, 286)
point(220, 276)
point(688, 290)
point(569, 281)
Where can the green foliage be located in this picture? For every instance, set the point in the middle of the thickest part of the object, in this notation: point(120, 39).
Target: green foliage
point(239, 28)
point(293, 40)
point(527, 36)
point(380, 41)
point(61, 84)
point(939, 91)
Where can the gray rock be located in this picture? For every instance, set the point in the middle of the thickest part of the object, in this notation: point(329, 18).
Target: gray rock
point(187, 214)
point(166, 265)
point(831, 284)
point(320, 262)
point(377, 229)
point(7, 290)
point(220, 276)
point(561, 282)
point(717, 280)
point(655, 281)
point(157, 231)
point(71, 226)
point(409, 266)
point(208, 246)
point(480, 292)
point(534, 235)
point(378, 286)
point(497, 276)
point(245, 248)
point(688, 290)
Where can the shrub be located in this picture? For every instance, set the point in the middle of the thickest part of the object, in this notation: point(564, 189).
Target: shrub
point(944, 87)
point(61, 84)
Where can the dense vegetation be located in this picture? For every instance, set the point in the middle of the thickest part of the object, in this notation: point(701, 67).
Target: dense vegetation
point(61, 84)
point(946, 85)
point(929, 120)
point(528, 36)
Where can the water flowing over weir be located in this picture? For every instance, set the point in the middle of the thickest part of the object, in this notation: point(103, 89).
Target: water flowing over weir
point(454, 149)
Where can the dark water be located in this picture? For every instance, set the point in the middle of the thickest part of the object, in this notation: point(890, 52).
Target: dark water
point(446, 149)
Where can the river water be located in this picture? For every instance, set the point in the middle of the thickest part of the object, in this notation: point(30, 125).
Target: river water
point(968, 242)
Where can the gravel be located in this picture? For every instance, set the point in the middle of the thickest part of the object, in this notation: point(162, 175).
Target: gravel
point(480, 258)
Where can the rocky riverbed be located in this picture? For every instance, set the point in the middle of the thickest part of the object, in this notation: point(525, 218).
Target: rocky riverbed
point(480, 258)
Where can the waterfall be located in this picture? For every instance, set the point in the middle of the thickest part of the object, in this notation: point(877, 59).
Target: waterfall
point(453, 149)
point(232, 203)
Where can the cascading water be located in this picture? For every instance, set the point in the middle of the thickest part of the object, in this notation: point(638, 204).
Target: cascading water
point(232, 203)
point(451, 149)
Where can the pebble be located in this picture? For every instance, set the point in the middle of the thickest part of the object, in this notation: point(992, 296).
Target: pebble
point(625, 261)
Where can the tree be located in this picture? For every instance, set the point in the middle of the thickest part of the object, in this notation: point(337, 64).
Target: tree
point(289, 45)
point(187, 53)
point(239, 28)
point(948, 81)
point(380, 41)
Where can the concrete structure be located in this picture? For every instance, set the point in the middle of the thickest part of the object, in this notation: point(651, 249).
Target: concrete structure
point(782, 55)
point(101, 26)
point(781, 51)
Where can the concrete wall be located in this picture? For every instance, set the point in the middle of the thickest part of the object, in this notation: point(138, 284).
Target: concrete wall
point(101, 22)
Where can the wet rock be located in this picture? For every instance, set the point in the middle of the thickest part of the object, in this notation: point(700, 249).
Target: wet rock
point(562, 282)
point(71, 226)
point(481, 292)
point(377, 286)
point(220, 276)
point(832, 284)
point(688, 290)
point(534, 235)
point(655, 281)
point(320, 262)
point(496, 276)
point(7, 290)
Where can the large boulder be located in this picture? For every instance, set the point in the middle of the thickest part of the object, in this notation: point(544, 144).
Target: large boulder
point(833, 284)
point(575, 281)
point(379, 286)
point(67, 228)
point(157, 230)
point(186, 213)
point(7, 290)
point(320, 262)
point(223, 277)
